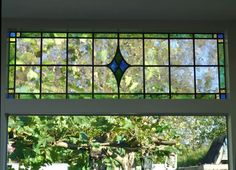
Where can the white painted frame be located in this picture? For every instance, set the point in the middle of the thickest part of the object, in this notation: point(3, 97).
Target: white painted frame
point(106, 106)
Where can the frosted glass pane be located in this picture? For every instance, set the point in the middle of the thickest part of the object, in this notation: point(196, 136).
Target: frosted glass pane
point(28, 51)
point(54, 51)
point(104, 50)
point(132, 80)
point(132, 50)
point(181, 52)
point(182, 80)
point(80, 51)
point(104, 81)
point(79, 79)
point(206, 52)
point(27, 79)
point(157, 79)
point(207, 80)
point(156, 52)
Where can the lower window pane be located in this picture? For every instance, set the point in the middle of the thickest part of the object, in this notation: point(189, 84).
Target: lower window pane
point(110, 142)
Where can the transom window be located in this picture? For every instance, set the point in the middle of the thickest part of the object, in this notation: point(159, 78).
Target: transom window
point(45, 65)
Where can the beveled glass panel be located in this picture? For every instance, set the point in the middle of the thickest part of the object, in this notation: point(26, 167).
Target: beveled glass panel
point(28, 51)
point(28, 96)
point(53, 96)
point(155, 35)
point(182, 80)
point(206, 52)
point(131, 35)
point(53, 79)
point(205, 96)
point(156, 52)
point(182, 96)
point(105, 96)
point(203, 36)
point(80, 35)
point(80, 51)
point(132, 51)
point(104, 50)
point(221, 53)
point(80, 96)
point(157, 79)
point(30, 34)
point(132, 80)
point(11, 77)
point(27, 79)
point(181, 35)
point(105, 35)
point(79, 79)
point(12, 53)
point(54, 51)
point(104, 80)
point(51, 34)
point(131, 96)
point(207, 80)
point(181, 52)
point(222, 77)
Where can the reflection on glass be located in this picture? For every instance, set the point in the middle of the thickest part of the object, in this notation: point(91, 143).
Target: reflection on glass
point(53, 79)
point(104, 80)
point(157, 79)
point(181, 52)
point(182, 80)
point(132, 80)
point(28, 51)
point(156, 52)
point(132, 50)
point(104, 50)
point(27, 79)
point(206, 52)
point(79, 80)
point(207, 80)
point(80, 51)
point(54, 51)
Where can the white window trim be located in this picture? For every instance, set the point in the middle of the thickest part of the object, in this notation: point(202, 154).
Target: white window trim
point(140, 106)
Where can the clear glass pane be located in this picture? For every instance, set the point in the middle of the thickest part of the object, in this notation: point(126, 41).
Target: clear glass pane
point(132, 80)
point(104, 50)
point(53, 79)
point(182, 80)
point(104, 80)
point(27, 79)
point(207, 80)
point(80, 51)
point(206, 52)
point(181, 52)
point(132, 51)
point(156, 52)
point(79, 80)
point(157, 79)
point(54, 51)
point(28, 51)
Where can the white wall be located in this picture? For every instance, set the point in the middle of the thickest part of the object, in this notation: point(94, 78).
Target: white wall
point(165, 107)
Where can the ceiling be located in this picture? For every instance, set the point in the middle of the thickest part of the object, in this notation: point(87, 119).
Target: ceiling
point(121, 9)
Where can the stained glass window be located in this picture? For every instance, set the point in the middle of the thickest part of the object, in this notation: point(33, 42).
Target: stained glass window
point(48, 65)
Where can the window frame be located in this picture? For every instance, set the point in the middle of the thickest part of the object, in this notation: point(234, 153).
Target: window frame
point(109, 106)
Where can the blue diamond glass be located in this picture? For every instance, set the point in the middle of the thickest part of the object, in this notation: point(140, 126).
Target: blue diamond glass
point(123, 65)
point(113, 66)
point(118, 65)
